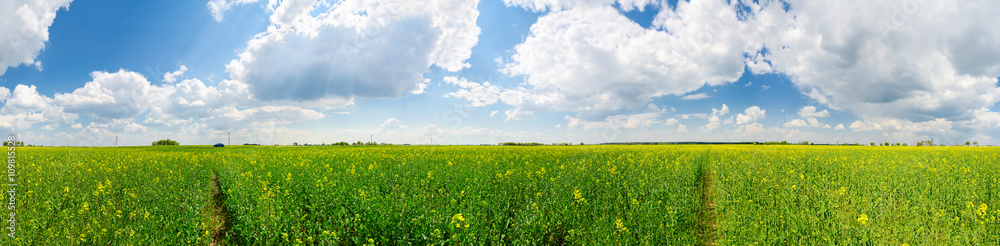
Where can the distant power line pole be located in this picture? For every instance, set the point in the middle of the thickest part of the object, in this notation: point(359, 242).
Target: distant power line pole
point(230, 140)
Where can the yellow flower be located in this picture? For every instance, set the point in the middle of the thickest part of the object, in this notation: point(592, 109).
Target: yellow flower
point(982, 209)
point(863, 219)
point(578, 196)
point(457, 219)
point(620, 226)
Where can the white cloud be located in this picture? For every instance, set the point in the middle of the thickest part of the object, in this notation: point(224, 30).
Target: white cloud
point(810, 112)
point(119, 95)
point(219, 7)
point(681, 128)
point(477, 94)
point(172, 76)
point(873, 58)
point(671, 122)
point(24, 26)
point(556, 5)
point(721, 112)
point(713, 122)
point(594, 60)
point(839, 127)
point(796, 123)
point(259, 117)
point(358, 48)
point(4, 93)
point(389, 124)
point(517, 114)
point(751, 115)
point(652, 108)
point(810, 122)
point(26, 107)
point(698, 96)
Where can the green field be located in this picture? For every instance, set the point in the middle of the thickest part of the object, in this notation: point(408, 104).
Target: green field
point(590, 195)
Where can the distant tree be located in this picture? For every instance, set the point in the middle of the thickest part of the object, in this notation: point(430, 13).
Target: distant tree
point(904, 145)
point(581, 143)
point(967, 143)
point(975, 143)
point(165, 142)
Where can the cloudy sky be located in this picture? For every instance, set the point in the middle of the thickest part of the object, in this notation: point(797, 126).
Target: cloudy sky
point(467, 72)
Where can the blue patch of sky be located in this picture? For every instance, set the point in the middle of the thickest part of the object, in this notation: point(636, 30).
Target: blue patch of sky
point(148, 37)
point(771, 92)
point(644, 18)
point(502, 28)
point(672, 4)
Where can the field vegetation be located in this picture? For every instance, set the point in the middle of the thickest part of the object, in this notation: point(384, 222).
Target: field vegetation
point(596, 195)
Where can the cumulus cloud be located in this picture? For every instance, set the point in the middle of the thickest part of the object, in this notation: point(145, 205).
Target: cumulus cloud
point(477, 94)
point(25, 107)
point(4, 93)
point(810, 112)
point(873, 58)
point(750, 115)
point(839, 127)
point(119, 95)
point(372, 49)
point(713, 120)
point(594, 60)
point(671, 122)
point(556, 5)
point(810, 122)
point(172, 76)
point(796, 123)
point(24, 26)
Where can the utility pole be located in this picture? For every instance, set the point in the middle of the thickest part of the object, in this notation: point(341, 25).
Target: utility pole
point(116, 141)
point(230, 142)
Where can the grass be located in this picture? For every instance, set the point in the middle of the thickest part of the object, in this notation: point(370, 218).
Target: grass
point(646, 195)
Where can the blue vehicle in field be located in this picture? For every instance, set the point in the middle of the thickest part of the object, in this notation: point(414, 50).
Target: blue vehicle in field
point(220, 145)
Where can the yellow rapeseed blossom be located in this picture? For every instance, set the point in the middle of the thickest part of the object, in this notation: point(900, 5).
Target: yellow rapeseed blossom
point(863, 219)
point(457, 219)
point(578, 196)
point(620, 225)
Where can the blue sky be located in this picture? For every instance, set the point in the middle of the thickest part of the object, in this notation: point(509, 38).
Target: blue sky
point(468, 72)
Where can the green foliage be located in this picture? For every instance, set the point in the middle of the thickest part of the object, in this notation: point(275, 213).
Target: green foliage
point(520, 144)
point(165, 142)
point(857, 196)
point(596, 195)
